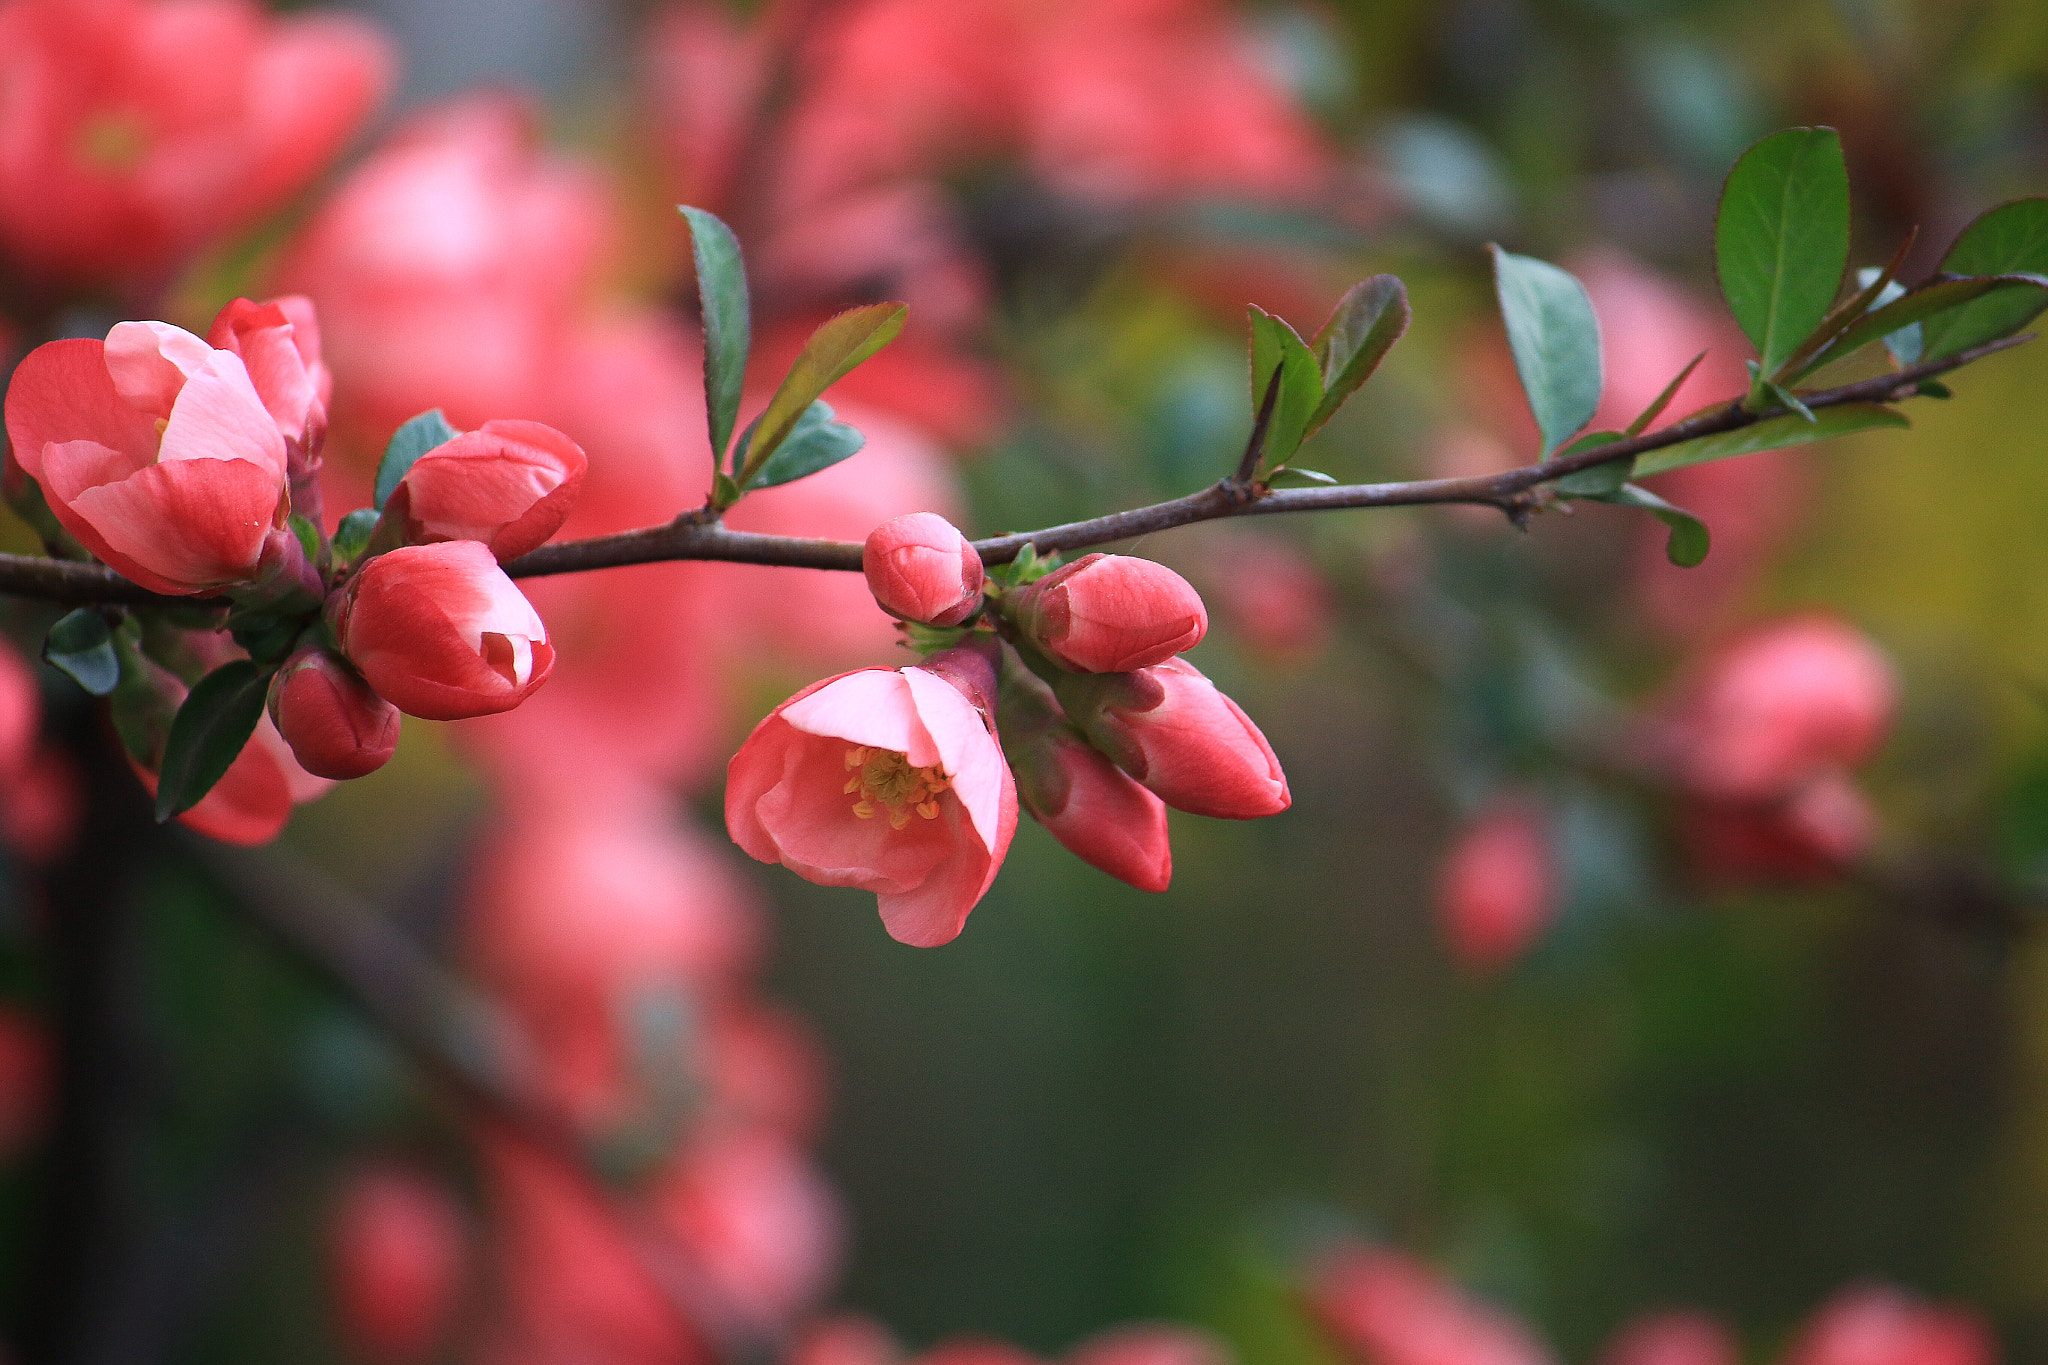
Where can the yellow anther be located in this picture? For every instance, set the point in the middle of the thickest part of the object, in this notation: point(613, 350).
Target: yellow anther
point(885, 780)
point(898, 819)
point(864, 809)
point(852, 784)
point(928, 809)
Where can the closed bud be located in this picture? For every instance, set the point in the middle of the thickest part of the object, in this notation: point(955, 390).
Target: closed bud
point(507, 484)
point(921, 568)
point(1086, 802)
point(441, 632)
point(1111, 614)
point(335, 724)
point(1168, 727)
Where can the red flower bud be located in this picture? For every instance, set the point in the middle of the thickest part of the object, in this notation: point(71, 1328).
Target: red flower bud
point(1170, 728)
point(1087, 803)
point(920, 567)
point(442, 633)
point(1879, 1325)
point(337, 727)
point(1112, 614)
point(507, 484)
point(1497, 889)
point(397, 1255)
point(1672, 1339)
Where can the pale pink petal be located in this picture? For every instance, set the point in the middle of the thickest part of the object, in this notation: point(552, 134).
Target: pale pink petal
point(199, 523)
point(968, 754)
point(874, 707)
point(219, 416)
point(61, 392)
point(933, 911)
point(150, 362)
point(811, 823)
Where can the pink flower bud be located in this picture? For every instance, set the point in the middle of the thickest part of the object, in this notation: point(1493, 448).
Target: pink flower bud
point(1498, 890)
point(1111, 614)
point(397, 1254)
point(1387, 1309)
point(441, 632)
point(279, 343)
point(1168, 727)
point(1672, 1339)
point(921, 568)
point(1086, 802)
point(886, 779)
point(155, 451)
point(1779, 706)
point(336, 726)
point(1878, 1325)
point(507, 484)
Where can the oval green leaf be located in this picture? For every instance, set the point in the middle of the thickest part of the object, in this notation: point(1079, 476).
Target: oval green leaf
point(1781, 238)
point(412, 440)
point(1362, 328)
point(832, 351)
point(1556, 340)
point(1275, 345)
point(81, 646)
point(216, 720)
point(816, 442)
point(2011, 239)
point(728, 328)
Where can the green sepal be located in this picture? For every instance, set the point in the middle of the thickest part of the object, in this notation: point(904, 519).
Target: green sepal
point(81, 646)
point(217, 719)
point(415, 438)
point(353, 534)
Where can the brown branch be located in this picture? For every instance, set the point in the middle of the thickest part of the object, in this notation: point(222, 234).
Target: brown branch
point(700, 536)
point(478, 1055)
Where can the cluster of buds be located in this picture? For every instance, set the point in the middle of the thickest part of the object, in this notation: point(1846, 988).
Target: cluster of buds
point(191, 466)
point(1059, 691)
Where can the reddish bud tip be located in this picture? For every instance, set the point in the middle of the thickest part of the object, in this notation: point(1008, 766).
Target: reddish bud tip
point(335, 724)
point(920, 568)
point(1112, 614)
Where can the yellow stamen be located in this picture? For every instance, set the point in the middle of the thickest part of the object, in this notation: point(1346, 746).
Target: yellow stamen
point(885, 780)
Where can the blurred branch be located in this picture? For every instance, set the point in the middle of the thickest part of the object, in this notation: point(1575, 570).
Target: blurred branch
point(476, 1053)
point(699, 535)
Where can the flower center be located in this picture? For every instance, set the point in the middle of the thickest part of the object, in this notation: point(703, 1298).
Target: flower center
point(884, 780)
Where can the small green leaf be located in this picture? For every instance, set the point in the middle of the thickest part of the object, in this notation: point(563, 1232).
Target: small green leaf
point(1781, 238)
point(354, 533)
point(2011, 239)
point(1299, 478)
point(1556, 340)
point(724, 492)
point(1930, 388)
point(816, 442)
point(1875, 287)
point(1688, 542)
point(81, 646)
point(2016, 294)
point(1789, 399)
point(418, 436)
point(1770, 434)
point(728, 328)
point(1663, 400)
point(1276, 345)
point(1362, 328)
point(832, 351)
point(209, 732)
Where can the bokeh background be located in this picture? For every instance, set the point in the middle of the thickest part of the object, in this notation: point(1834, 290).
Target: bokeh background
point(1688, 1073)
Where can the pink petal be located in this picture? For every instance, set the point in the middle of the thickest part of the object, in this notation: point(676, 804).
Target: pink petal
point(810, 820)
point(61, 392)
point(873, 707)
point(196, 523)
point(219, 416)
point(968, 754)
point(149, 363)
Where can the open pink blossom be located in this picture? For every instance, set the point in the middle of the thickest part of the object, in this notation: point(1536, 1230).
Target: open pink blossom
point(885, 779)
point(441, 633)
point(155, 450)
point(138, 131)
point(509, 484)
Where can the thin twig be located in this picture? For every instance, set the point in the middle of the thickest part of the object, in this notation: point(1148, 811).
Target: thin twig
point(699, 536)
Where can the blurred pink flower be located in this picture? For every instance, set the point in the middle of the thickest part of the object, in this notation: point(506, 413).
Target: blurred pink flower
point(1383, 1308)
point(1879, 1325)
point(396, 1249)
point(1672, 1339)
point(140, 131)
point(1497, 890)
point(24, 1081)
point(1271, 596)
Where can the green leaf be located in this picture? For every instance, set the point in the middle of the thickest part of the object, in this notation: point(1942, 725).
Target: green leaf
point(1601, 478)
point(1875, 287)
point(211, 727)
point(422, 434)
point(1781, 239)
point(1299, 478)
point(1930, 388)
point(832, 351)
point(1789, 399)
point(1770, 434)
point(1931, 301)
point(1362, 328)
point(81, 646)
point(2011, 239)
point(816, 442)
point(724, 492)
point(1556, 341)
point(1663, 400)
point(354, 533)
point(1276, 345)
point(728, 329)
point(1688, 542)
